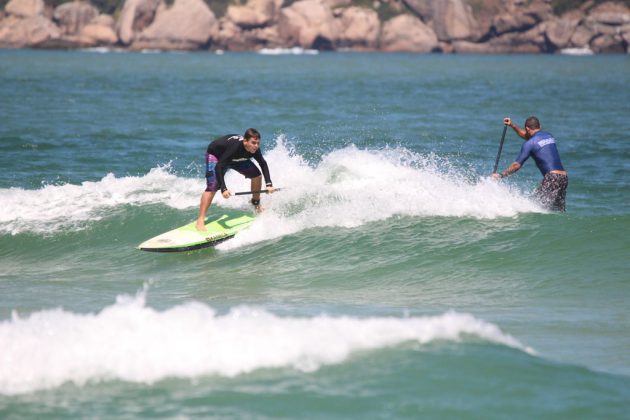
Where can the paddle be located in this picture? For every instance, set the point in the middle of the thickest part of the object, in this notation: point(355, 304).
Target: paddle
point(496, 162)
point(255, 192)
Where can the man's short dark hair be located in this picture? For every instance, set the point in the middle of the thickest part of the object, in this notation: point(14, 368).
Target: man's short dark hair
point(252, 133)
point(532, 123)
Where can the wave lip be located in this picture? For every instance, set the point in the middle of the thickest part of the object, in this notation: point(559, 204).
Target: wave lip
point(347, 188)
point(132, 342)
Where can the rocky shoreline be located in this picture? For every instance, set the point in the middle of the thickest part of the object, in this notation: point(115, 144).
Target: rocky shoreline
point(422, 26)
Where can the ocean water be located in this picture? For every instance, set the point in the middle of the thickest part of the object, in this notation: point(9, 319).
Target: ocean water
point(390, 278)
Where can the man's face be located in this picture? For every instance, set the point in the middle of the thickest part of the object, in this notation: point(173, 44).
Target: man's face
point(528, 133)
point(252, 144)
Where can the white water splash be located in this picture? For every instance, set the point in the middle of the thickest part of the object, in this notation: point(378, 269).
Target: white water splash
point(352, 187)
point(347, 188)
point(132, 342)
point(56, 207)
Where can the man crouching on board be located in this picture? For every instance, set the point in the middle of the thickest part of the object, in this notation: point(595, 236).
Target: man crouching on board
point(541, 146)
point(233, 152)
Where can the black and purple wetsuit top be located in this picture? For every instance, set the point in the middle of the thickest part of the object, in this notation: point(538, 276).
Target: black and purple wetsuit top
point(228, 152)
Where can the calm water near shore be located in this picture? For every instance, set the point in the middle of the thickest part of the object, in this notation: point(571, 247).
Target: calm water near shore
point(390, 279)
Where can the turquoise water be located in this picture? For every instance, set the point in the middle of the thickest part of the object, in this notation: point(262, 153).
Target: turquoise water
point(390, 277)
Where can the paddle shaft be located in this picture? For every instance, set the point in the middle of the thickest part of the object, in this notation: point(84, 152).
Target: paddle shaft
point(255, 192)
point(496, 162)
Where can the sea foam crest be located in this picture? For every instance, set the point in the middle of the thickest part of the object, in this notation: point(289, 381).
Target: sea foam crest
point(351, 187)
point(347, 187)
point(132, 342)
point(55, 207)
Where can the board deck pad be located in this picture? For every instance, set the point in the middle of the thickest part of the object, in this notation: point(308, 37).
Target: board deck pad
point(188, 238)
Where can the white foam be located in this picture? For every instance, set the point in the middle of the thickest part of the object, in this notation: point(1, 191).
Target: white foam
point(132, 342)
point(347, 188)
point(55, 207)
point(577, 51)
point(103, 50)
point(287, 51)
point(351, 187)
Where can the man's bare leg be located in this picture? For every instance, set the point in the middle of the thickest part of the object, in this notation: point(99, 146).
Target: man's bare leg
point(256, 185)
point(206, 200)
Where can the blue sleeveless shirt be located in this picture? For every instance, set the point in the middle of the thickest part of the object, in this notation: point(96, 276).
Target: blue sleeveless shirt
point(542, 147)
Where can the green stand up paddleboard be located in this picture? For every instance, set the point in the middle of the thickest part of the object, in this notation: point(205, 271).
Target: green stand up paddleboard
point(187, 238)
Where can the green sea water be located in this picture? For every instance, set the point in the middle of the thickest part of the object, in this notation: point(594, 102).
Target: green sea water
point(390, 278)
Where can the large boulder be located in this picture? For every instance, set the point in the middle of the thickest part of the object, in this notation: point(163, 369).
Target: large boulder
point(522, 16)
point(582, 37)
point(560, 30)
point(99, 31)
point(510, 22)
point(610, 13)
point(484, 13)
point(25, 8)
point(424, 9)
point(454, 20)
point(186, 25)
point(267, 37)
point(234, 38)
point(308, 24)
point(608, 44)
point(408, 33)
point(72, 16)
point(625, 34)
point(467, 47)
point(451, 19)
point(337, 3)
point(135, 16)
point(254, 14)
point(527, 42)
point(360, 28)
point(33, 31)
point(229, 36)
point(611, 20)
point(605, 24)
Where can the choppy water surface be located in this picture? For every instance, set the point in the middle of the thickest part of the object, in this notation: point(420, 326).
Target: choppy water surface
point(389, 278)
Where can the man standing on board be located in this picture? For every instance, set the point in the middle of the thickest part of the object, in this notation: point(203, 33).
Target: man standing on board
point(233, 152)
point(541, 146)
